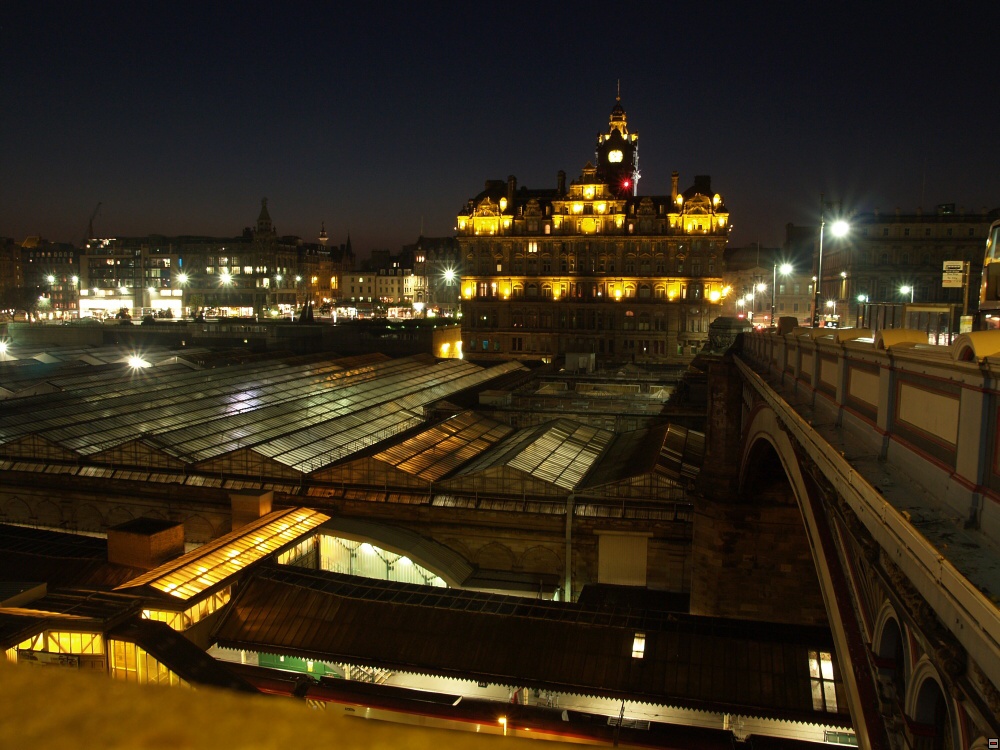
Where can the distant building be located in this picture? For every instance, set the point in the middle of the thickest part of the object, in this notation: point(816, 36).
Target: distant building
point(51, 271)
point(12, 296)
point(248, 275)
point(883, 253)
point(591, 267)
point(762, 277)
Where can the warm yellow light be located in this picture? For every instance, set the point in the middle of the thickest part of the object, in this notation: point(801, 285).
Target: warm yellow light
point(618, 294)
point(714, 295)
point(600, 207)
point(680, 200)
point(503, 204)
point(578, 208)
point(716, 199)
point(588, 191)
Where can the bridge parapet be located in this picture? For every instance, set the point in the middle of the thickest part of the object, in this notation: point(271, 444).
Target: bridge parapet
point(933, 410)
point(903, 437)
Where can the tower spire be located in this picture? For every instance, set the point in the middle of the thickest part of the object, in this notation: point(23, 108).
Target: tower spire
point(618, 96)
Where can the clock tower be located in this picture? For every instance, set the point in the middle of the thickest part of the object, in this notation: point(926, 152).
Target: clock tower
point(618, 153)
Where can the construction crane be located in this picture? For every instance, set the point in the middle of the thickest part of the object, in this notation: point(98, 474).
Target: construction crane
point(90, 226)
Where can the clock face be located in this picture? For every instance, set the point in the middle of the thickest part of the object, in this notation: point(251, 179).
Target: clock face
point(614, 156)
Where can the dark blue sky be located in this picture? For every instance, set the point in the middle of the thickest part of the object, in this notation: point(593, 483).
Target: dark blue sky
point(179, 117)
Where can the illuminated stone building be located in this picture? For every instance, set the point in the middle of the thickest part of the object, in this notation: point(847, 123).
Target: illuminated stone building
point(592, 267)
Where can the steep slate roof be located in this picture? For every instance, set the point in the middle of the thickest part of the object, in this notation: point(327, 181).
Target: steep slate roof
point(753, 669)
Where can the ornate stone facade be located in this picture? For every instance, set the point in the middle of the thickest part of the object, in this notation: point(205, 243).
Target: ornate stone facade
point(592, 267)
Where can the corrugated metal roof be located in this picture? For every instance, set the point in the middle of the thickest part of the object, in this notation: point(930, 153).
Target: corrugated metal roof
point(755, 669)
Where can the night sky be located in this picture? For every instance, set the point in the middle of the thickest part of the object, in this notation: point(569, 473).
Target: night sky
point(382, 119)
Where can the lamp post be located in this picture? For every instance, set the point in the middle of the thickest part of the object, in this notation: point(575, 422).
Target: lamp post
point(906, 289)
point(785, 269)
point(839, 229)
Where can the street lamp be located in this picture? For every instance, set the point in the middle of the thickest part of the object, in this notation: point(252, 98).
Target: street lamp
point(907, 290)
point(785, 268)
point(832, 304)
point(839, 229)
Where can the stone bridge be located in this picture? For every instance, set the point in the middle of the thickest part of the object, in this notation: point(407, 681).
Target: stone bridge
point(885, 453)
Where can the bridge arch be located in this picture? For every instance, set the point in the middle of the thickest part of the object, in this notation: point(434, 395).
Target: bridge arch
point(766, 430)
point(890, 645)
point(928, 705)
point(767, 444)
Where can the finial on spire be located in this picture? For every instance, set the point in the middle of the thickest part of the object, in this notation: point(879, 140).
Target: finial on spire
point(618, 96)
point(322, 233)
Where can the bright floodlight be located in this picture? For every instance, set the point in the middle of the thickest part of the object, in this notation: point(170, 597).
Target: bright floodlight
point(136, 362)
point(905, 289)
point(839, 228)
point(449, 275)
point(182, 278)
point(225, 278)
point(785, 268)
point(761, 287)
point(830, 303)
point(3, 347)
point(75, 279)
point(51, 279)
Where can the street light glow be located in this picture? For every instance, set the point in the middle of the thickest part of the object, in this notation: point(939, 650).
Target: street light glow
point(785, 268)
point(182, 278)
point(840, 228)
point(225, 278)
point(51, 279)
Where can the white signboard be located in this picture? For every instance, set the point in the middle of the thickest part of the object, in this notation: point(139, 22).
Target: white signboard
point(954, 266)
point(950, 280)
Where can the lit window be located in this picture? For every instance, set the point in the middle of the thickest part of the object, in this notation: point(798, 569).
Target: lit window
point(638, 645)
point(824, 690)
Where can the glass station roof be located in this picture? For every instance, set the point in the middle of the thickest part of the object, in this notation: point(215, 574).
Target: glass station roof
point(444, 447)
point(199, 570)
point(303, 412)
point(560, 452)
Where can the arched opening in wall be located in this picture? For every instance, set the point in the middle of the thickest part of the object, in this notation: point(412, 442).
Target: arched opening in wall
point(495, 556)
point(197, 529)
point(891, 660)
point(931, 722)
point(751, 556)
point(16, 511)
point(765, 479)
point(48, 514)
point(89, 518)
point(118, 515)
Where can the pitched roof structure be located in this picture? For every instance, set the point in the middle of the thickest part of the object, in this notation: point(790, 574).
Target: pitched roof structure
point(755, 669)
